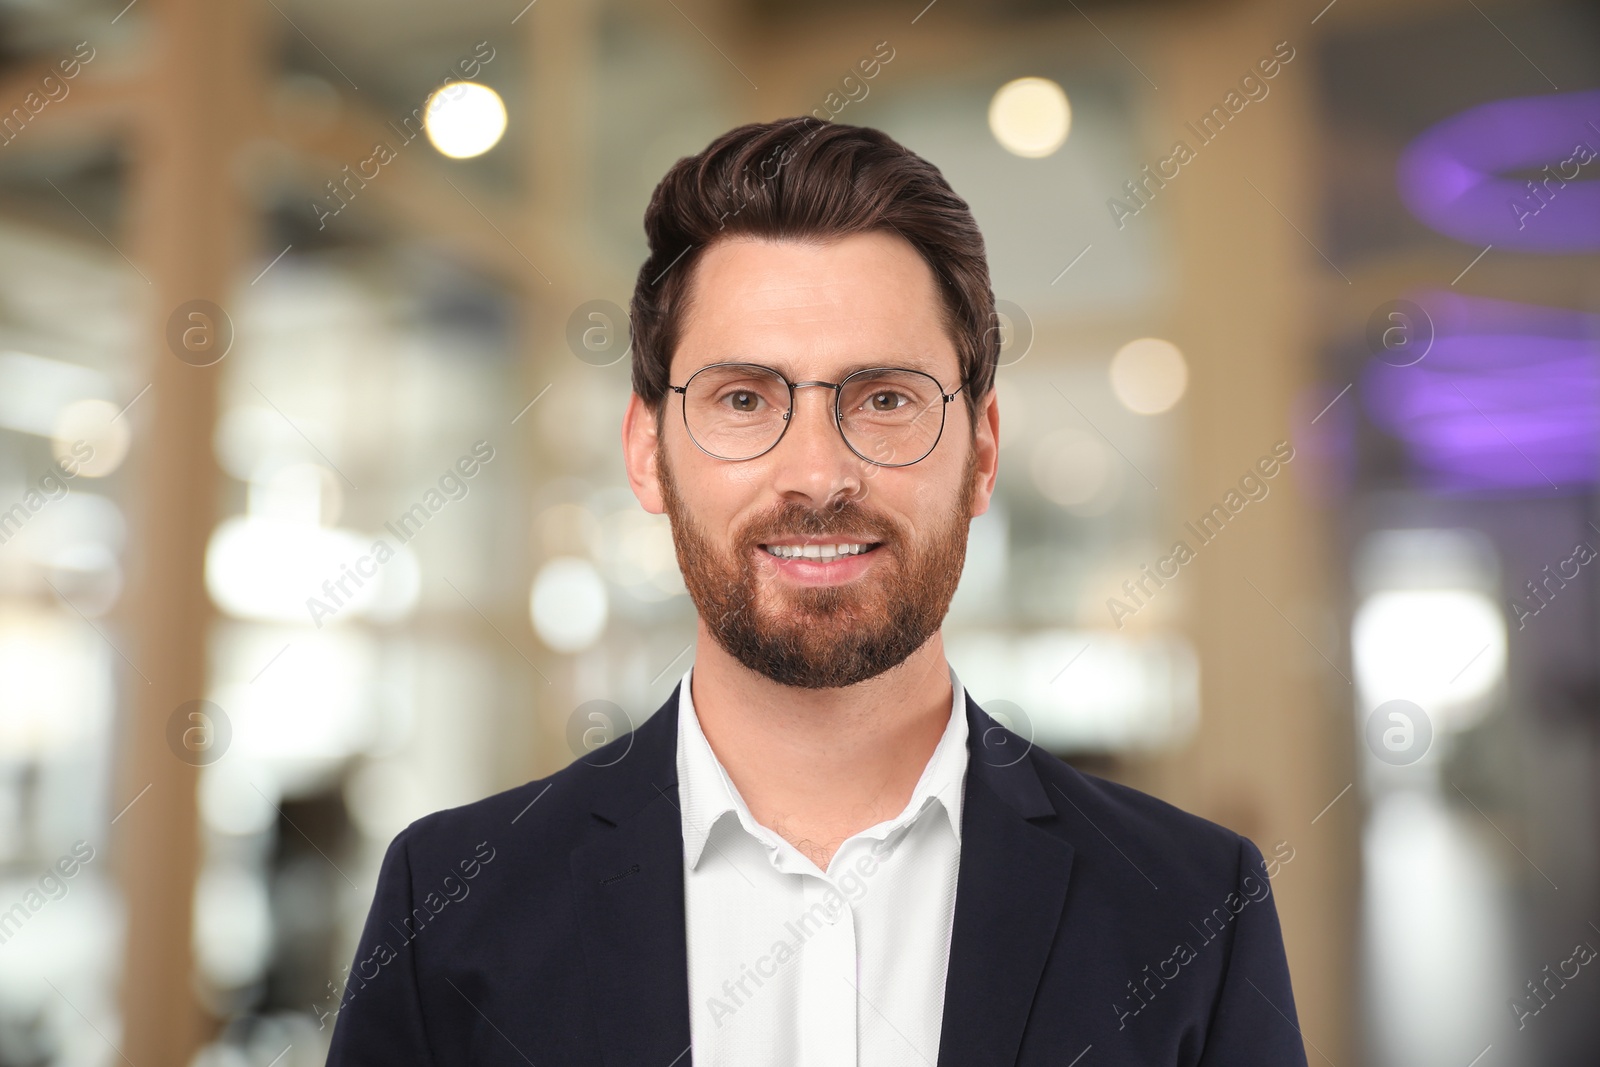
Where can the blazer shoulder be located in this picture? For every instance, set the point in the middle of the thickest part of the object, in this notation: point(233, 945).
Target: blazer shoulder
point(1191, 850)
point(545, 809)
point(556, 811)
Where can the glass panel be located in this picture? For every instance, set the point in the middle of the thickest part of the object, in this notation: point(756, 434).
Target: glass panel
point(67, 330)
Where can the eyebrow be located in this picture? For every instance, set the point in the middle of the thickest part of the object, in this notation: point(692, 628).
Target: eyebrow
point(785, 368)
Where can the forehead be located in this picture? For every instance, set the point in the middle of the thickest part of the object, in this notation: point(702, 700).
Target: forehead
point(815, 308)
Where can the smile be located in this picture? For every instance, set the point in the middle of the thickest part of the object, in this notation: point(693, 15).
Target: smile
point(822, 553)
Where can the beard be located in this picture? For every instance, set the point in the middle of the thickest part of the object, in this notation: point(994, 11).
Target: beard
point(822, 636)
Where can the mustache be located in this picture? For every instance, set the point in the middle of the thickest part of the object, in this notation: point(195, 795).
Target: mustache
point(846, 524)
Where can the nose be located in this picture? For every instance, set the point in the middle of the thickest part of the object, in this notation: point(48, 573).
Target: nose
point(813, 459)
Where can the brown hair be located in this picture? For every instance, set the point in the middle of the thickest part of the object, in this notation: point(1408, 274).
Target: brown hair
point(806, 179)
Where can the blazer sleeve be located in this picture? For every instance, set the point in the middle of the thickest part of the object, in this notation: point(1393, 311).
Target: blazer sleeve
point(380, 1021)
point(1254, 1020)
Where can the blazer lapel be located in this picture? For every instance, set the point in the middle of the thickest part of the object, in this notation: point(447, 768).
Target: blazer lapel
point(627, 885)
point(1010, 892)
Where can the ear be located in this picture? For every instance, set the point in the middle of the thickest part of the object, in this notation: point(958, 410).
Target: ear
point(639, 454)
point(986, 444)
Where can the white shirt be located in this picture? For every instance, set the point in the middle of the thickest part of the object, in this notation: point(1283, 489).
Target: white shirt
point(791, 966)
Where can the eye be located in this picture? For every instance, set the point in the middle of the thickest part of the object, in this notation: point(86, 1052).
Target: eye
point(744, 401)
point(887, 400)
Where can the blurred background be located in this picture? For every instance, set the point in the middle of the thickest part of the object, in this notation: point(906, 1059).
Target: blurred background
point(313, 516)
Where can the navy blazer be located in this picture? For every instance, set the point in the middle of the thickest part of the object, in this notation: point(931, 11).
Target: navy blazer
point(1094, 925)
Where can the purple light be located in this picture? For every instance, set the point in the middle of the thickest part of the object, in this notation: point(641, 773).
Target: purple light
point(1448, 175)
point(1508, 396)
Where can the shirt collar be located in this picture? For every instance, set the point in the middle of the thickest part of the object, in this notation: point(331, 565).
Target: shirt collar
point(707, 794)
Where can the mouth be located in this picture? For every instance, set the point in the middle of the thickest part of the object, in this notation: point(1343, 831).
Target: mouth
point(821, 552)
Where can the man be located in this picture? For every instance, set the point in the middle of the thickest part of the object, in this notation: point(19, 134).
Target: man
point(819, 850)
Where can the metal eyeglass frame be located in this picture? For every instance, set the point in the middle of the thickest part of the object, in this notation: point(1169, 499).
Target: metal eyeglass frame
point(838, 415)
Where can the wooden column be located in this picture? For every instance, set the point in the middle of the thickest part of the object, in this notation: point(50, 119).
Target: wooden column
point(558, 114)
point(188, 232)
point(1275, 744)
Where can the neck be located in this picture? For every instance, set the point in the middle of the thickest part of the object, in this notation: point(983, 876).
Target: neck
point(818, 765)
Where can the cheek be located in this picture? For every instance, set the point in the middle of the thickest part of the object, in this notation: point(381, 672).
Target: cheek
point(938, 491)
point(910, 509)
point(711, 497)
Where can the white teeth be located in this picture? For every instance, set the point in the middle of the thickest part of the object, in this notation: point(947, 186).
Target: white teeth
point(817, 552)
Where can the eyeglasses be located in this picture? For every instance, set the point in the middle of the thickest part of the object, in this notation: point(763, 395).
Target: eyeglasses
point(738, 411)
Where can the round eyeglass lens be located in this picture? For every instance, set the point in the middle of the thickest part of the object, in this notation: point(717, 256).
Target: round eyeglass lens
point(735, 411)
point(891, 417)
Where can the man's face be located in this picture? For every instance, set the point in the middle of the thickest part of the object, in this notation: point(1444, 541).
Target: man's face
point(816, 312)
